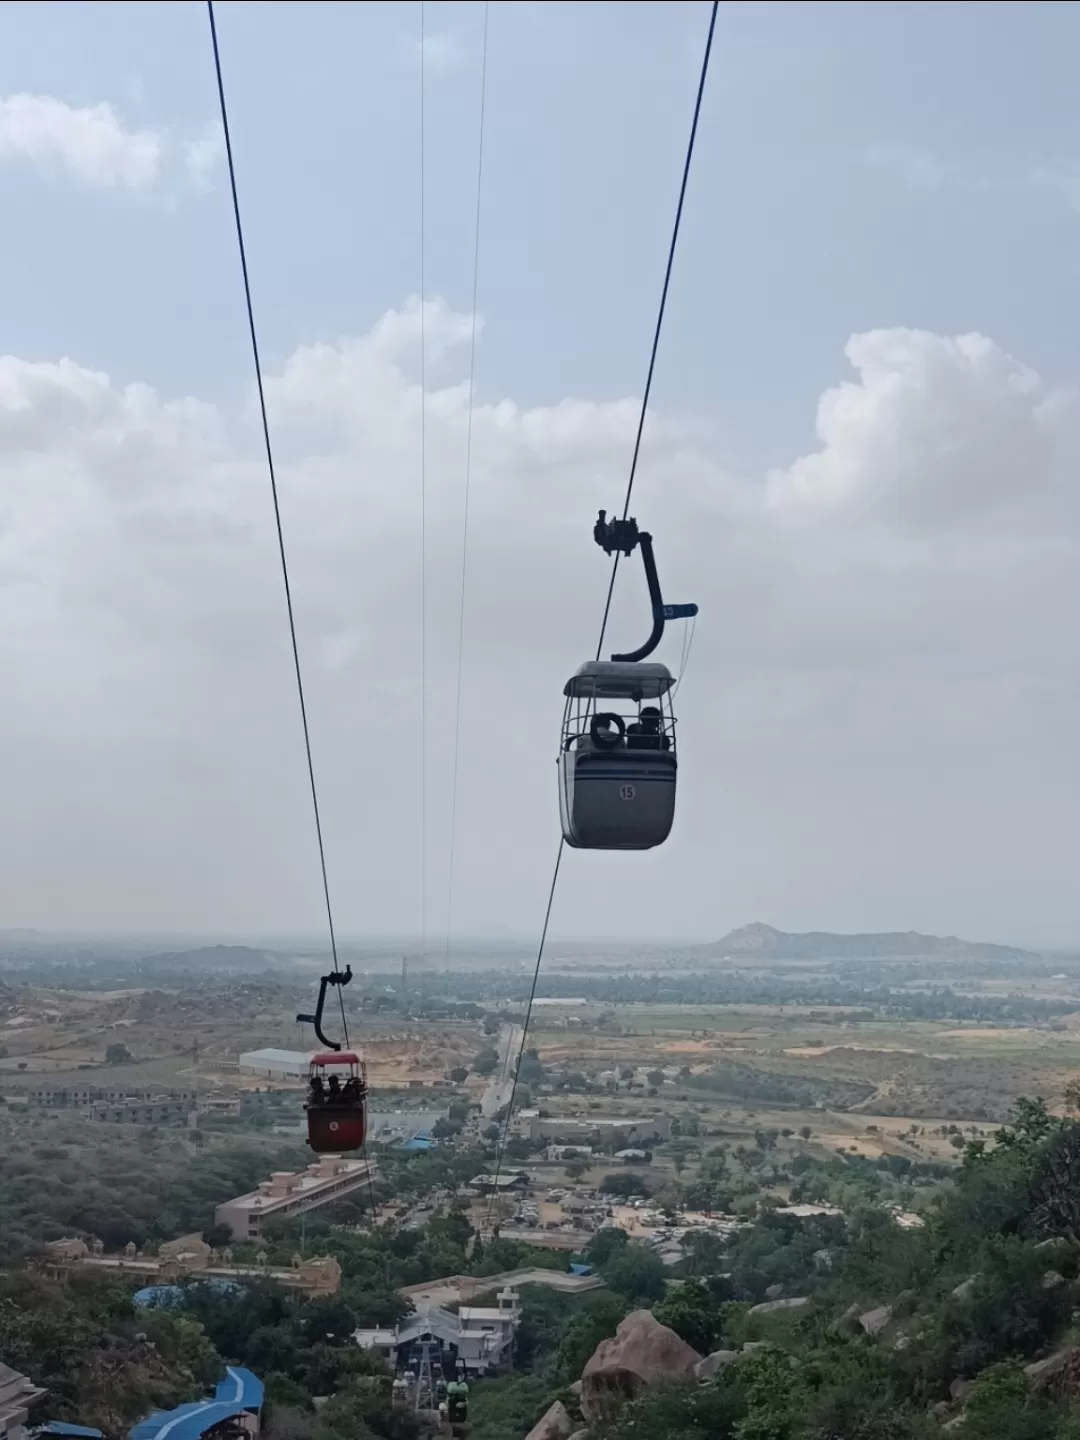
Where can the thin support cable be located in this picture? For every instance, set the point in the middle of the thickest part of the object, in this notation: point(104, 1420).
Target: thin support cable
point(626, 507)
point(687, 647)
point(663, 307)
point(277, 506)
point(423, 512)
point(468, 478)
point(524, 1033)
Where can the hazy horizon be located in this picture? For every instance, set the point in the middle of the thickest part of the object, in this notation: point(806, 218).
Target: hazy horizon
point(410, 945)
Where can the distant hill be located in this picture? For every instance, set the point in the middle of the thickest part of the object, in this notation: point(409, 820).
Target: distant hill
point(218, 958)
point(760, 941)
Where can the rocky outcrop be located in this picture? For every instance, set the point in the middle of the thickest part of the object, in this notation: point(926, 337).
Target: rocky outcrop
point(719, 1360)
point(874, 1321)
point(1058, 1375)
point(769, 1307)
point(555, 1424)
point(848, 1322)
point(642, 1352)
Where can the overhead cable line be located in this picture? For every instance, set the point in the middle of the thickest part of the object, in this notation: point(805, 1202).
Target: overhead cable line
point(277, 506)
point(660, 312)
point(615, 565)
point(468, 478)
point(423, 505)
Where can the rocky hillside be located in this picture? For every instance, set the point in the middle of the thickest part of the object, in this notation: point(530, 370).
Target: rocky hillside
point(215, 960)
point(760, 941)
point(858, 1327)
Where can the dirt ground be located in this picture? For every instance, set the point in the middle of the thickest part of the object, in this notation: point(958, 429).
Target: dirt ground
point(195, 1036)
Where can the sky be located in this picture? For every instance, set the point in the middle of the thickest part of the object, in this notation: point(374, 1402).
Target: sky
point(861, 461)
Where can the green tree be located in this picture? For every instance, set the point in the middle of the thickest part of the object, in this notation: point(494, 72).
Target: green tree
point(680, 1412)
point(621, 1186)
point(609, 1241)
point(693, 1313)
point(636, 1274)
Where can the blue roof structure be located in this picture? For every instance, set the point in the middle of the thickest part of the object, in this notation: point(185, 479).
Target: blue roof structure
point(419, 1142)
point(158, 1297)
point(576, 1269)
point(77, 1432)
point(240, 1387)
point(239, 1393)
point(186, 1422)
point(152, 1297)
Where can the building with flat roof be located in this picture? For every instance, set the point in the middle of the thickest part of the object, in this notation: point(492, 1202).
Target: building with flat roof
point(63, 1097)
point(17, 1395)
point(389, 1125)
point(157, 1110)
point(503, 1184)
point(566, 1129)
point(189, 1258)
point(289, 1193)
point(477, 1338)
point(276, 1064)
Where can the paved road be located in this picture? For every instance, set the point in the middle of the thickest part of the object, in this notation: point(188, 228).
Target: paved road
point(501, 1084)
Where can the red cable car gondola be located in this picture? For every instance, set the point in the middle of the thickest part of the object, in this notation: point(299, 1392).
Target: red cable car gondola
point(336, 1107)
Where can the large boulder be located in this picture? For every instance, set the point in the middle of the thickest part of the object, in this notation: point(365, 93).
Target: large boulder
point(874, 1321)
point(769, 1307)
point(554, 1424)
point(642, 1352)
point(719, 1360)
point(848, 1321)
point(1058, 1375)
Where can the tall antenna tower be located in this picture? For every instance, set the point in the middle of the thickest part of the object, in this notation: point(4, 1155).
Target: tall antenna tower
point(425, 1383)
point(404, 983)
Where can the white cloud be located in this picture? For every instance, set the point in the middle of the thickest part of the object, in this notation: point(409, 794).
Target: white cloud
point(94, 146)
point(878, 727)
point(204, 154)
point(920, 169)
point(917, 168)
point(90, 142)
point(937, 430)
point(442, 52)
point(1063, 180)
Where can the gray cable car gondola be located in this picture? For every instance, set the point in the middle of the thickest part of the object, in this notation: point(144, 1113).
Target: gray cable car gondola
point(617, 763)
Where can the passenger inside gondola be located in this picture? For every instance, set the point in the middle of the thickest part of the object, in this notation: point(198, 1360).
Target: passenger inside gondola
point(645, 732)
point(333, 1092)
